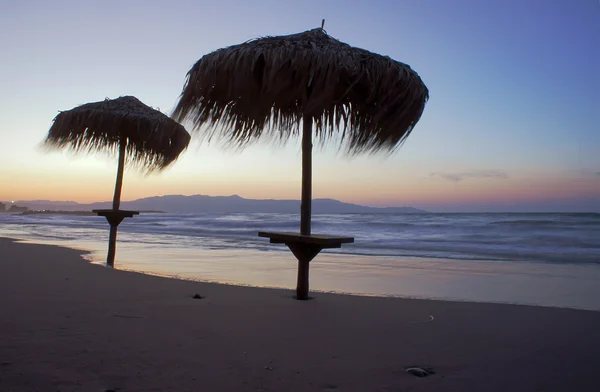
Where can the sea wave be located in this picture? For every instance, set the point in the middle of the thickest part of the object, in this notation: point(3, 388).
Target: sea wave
point(555, 238)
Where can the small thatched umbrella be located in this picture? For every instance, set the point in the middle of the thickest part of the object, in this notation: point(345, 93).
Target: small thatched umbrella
point(269, 86)
point(147, 138)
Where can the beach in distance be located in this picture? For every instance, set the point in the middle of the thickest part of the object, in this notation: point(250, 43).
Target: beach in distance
point(535, 259)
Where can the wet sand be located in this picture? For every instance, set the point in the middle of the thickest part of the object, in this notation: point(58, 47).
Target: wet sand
point(68, 325)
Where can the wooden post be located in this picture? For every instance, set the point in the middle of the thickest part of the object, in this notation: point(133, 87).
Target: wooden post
point(112, 246)
point(302, 283)
point(305, 206)
point(120, 168)
point(304, 253)
point(112, 238)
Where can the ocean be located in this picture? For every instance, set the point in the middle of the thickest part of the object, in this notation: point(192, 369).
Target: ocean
point(448, 256)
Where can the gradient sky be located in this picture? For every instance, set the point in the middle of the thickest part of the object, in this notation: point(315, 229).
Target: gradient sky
point(513, 122)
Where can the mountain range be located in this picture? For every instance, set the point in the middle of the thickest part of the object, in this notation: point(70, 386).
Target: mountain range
point(215, 204)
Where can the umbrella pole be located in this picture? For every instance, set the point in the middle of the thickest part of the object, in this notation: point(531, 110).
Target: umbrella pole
point(112, 238)
point(305, 207)
point(112, 246)
point(120, 168)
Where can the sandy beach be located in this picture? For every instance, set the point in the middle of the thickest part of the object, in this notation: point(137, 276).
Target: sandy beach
point(68, 325)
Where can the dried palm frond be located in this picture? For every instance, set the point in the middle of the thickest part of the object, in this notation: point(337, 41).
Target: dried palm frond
point(153, 140)
point(264, 87)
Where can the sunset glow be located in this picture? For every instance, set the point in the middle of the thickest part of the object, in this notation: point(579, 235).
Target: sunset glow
point(504, 128)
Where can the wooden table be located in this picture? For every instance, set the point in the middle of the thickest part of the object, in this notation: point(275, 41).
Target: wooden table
point(114, 217)
point(305, 248)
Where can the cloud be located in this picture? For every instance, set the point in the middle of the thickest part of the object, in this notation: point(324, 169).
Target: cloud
point(456, 177)
point(589, 173)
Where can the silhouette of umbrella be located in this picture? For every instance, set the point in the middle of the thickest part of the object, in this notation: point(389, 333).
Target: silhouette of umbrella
point(267, 87)
point(145, 137)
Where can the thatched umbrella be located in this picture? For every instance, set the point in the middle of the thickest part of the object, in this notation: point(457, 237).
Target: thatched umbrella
point(267, 87)
point(145, 137)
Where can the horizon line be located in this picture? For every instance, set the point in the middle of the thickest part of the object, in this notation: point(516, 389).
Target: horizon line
point(448, 207)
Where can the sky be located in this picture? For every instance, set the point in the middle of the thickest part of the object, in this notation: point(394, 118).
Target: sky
point(512, 124)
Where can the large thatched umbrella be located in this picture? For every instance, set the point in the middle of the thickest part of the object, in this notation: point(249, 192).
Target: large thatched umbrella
point(145, 137)
point(267, 87)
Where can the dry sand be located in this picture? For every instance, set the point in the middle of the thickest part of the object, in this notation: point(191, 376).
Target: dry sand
point(67, 325)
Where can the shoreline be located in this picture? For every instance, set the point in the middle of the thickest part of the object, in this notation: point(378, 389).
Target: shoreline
point(480, 238)
point(532, 284)
point(69, 325)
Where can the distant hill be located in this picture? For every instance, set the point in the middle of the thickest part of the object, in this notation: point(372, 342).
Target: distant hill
point(217, 204)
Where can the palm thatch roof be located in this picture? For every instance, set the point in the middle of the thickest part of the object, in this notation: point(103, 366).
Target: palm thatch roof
point(264, 87)
point(153, 140)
